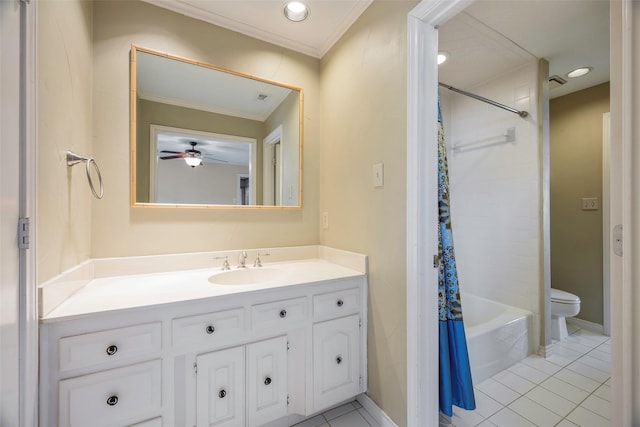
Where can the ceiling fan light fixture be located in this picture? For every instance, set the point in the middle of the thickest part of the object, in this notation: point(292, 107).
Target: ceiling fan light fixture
point(193, 161)
point(296, 11)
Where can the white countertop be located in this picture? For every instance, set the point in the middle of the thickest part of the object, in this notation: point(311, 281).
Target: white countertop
point(140, 290)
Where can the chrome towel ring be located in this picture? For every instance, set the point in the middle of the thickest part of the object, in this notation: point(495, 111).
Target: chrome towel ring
point(73, 158)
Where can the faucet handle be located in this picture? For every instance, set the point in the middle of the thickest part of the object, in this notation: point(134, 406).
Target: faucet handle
point(242, 259)
point(225, 264)
point(258, 262)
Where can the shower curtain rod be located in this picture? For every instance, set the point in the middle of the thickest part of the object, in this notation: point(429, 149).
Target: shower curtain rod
point(483, 99)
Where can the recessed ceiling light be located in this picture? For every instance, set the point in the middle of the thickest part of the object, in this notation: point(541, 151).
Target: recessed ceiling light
point(579, 72)
point(442, 56)
point(296, 11)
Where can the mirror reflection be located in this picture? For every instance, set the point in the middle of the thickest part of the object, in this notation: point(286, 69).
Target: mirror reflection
point(206, 136)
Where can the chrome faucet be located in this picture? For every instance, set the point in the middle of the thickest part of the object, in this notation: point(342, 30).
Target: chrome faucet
point(258, 261)
point(225, 264)
point(242, 259)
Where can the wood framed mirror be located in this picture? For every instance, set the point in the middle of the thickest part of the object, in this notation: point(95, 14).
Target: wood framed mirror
point(203, 136)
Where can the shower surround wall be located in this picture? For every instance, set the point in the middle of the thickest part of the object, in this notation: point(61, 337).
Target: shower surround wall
point(496, 193)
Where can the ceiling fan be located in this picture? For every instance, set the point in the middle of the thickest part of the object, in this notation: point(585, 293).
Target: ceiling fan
point(191, 156)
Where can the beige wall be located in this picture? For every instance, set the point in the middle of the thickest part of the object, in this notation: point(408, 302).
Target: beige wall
point(210, 183)
point(576, 172)
point(360, 127)
point(150, 112)
point(364, 122)
point(117, 229)
point(64, 123)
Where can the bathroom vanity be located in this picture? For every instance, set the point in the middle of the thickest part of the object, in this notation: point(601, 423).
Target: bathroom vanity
point(202, 347)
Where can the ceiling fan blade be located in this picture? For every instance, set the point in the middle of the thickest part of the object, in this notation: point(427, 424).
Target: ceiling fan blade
point(171, 152)
point(171, 157)
point(215, 160)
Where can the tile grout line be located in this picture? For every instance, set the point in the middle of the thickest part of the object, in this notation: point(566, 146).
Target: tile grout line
point(575, 406)
point(580, 405)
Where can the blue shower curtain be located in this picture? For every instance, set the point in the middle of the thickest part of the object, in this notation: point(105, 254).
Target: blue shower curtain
point(456, 386)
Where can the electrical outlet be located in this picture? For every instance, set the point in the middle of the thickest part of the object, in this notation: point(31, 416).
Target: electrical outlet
point(325, 220)
point(590, 204)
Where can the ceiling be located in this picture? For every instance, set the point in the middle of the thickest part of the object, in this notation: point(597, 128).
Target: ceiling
point(206, 89)
point(264, 20)
point(568, 33)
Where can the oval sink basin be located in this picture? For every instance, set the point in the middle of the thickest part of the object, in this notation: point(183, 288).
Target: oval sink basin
point(246, 276)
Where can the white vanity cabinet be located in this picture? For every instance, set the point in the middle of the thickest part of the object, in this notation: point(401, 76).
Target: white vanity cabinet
point(221, 395)
point(267, 384)
point(336, 362)
point(267, 356)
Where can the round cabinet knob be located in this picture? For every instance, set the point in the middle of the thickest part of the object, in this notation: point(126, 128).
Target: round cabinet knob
point(222, 394)
point(112, 349)
point(267, 381)
point(112, 400)
point(340, 303)
point(283, 313)
point(339, 360)
point(210, 329)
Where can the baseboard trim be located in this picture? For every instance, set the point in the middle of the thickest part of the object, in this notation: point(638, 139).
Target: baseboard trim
point(585, 324)
point(374, 410)
point(545, 350)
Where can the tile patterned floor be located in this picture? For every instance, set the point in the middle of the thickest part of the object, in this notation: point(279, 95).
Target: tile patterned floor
point(351, 414)
point(568, 389)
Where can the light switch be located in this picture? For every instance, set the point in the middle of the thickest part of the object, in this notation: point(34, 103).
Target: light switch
point(590, 204)
point(378, 175)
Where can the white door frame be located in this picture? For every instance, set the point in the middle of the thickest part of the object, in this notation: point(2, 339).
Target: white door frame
point(18, 291)
point(422, 332)
point(624, 187)
point(268, 178)
point(422, 208)
point(606, 223)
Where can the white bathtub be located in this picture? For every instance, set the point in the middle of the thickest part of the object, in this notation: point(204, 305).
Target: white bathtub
point(497, 335)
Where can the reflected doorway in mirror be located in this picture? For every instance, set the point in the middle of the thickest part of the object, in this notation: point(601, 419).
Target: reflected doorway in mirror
point(272, 168)
point(173, 180)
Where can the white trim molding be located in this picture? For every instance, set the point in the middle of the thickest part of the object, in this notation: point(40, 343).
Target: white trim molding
point(422, 208)
point(625, 184)
point(374, 410)
point(29, 326)
point(585, 324)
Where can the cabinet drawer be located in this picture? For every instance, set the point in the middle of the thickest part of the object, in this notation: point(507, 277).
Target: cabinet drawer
point(336, 303)
point(279, 314)
point(115, 397)
point(81, 351)
point(156, 422)
point(208, 328)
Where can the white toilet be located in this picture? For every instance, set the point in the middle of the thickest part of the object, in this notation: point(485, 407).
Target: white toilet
point(563, 304)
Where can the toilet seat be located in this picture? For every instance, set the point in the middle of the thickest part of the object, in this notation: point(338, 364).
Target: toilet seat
point(563, 297)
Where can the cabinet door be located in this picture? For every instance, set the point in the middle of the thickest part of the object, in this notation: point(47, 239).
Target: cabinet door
point(267, 380)
point(336, 361)
point(220, 388)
